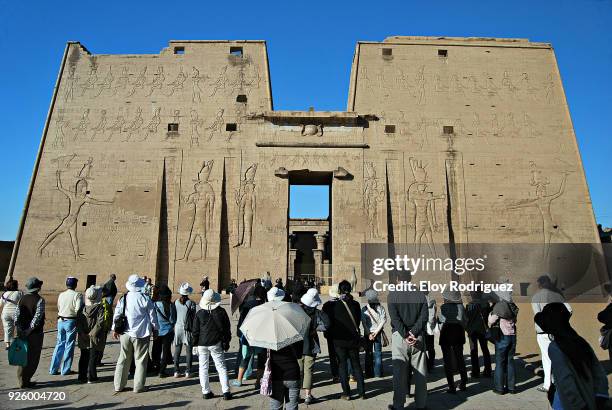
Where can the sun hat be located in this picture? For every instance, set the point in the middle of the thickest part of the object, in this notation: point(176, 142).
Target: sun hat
point(210, 299)
point(311, 298)
point(333, 291)
point(33, 284)
point(185, 289)
point(92, 294)
point(135, 283)
point(275, 294)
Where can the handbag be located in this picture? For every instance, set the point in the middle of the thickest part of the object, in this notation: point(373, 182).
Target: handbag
point(383, 335)
point(362, 340)
point(18, 353)
point(265, 383)
point(494, 334)
point(121, 322)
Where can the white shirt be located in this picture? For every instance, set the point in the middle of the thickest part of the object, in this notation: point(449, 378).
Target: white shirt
point(140, 313)
point(69, 302)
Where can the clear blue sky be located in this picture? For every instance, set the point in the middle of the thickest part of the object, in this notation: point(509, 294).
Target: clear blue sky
point(310, 45)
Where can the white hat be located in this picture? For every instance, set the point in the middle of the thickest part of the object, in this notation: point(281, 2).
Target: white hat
point(311, 298)
point(276, 294)
point(333, 291)
point(135, 283)
point(185, 289)
point(210, 300)
point(92, 294)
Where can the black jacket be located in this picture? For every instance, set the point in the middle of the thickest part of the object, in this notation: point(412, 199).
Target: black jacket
point(408, 312)
point(211, 327)
point(111, 287)
point(341, 328)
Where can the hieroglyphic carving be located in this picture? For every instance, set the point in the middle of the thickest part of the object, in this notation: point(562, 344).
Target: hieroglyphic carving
point(158, 81)
point(216, 126)
point(195, 123)
point(196, 91)
point(220, 82)
point(549, 89)
point(246, 202)
point(107, 82)
point(420, 86)
point(100, 127)
point(133, 127)
point(81, 128)
point(140, 82)
point(71, 82)
point(117, 126)
point(60, 134)
point(76, 200)
point(92, 79)
point(372, 195)
point(423, 202)
point(122, 81)
point(178, 82)
point(151, 127)
point(542, 202)
point(202, 200)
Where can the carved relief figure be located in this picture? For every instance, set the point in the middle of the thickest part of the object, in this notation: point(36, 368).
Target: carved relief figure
point(245, 201)
point(158, 81)
point(177, 84)
point(60, 136)
point(195, 122)
point(81, 128)
point(202, 199)
point(196, 91)
point(309, 130)
point(140, 81)
point(372, 195)
point(217, 125)
point(76, 200)
point(425, 223)
point(220, 82)
point(116, 126)
point(122, 81)
point(542, 202)
point(107, 82)
point(92, 80)
point(134, 126)
point(507, 84)
point(100, 127)
point(549, 88)
point(71, 82)
point(153, 123)
point(420, 86)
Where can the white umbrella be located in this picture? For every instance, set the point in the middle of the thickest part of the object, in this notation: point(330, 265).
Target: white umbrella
point(275, 325)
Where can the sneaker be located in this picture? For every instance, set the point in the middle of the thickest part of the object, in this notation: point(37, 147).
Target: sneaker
point(227, 396)
point(208, 395)
point(177, 375)
point(236, 383)
point(542, 389)
point(188, 375)
point(363, 397)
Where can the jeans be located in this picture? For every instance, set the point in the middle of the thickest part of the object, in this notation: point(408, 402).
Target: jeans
point(404, 357)
point(87, 365)
point(218, 357)
point(475, 340)
point(352, 354)
point(188, 358)
point(504, 363)
point(373, 357)
point(64, 348)
point(162, 352)
point(138, 351)
point(454, 353)
point(287, 392)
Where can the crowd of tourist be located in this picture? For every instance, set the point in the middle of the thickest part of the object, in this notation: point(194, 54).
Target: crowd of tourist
point(573, 376)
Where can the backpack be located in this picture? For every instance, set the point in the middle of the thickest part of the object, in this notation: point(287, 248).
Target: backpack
point(514, 309)
point(189, 318)
point(108, 315)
